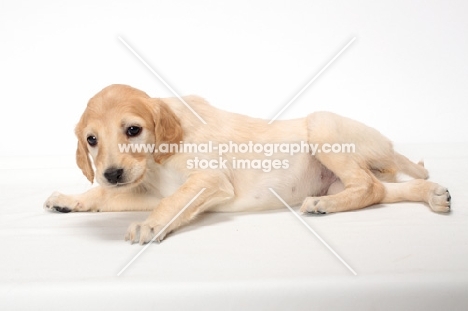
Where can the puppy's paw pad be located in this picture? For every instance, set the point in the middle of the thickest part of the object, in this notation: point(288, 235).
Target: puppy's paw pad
point(440, 200)
point(61, 209)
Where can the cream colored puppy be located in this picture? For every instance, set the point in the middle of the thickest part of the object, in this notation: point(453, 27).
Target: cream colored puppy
point(166, 181)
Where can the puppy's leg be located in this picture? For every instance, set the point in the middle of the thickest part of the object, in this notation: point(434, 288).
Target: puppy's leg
point(361, 187)
point(100, 199)
point(419, 190)
point(357, 189)
point(411, 169)
point(217, 190)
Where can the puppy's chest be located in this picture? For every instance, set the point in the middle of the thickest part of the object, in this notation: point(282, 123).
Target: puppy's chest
point(165, 181)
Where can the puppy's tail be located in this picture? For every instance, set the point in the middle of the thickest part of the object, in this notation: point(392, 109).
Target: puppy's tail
point(409, 168)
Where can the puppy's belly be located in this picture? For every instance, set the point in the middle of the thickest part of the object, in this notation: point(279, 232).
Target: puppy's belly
point(305, 177)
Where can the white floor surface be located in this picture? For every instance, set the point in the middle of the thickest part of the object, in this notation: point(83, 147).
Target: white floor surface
point(405, 256)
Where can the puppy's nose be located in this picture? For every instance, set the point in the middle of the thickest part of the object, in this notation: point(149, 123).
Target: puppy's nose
point(114, 175)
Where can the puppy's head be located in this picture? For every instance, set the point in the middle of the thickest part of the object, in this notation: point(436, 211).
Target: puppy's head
point(120, 116)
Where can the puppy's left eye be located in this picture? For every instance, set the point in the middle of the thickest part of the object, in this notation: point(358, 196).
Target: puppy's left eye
point(92, 140)
point(133, 131)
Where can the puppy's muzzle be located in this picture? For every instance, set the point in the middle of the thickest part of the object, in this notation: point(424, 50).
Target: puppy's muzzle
point(114, 175)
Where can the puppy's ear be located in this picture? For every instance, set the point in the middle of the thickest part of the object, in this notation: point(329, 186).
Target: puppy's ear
point(167, 128)
point(82, 157)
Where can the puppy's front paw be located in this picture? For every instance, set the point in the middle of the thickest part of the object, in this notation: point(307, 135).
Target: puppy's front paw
point(62, 203)
point(144, 233)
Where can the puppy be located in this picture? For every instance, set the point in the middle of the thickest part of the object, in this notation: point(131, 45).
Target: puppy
point(176, 185)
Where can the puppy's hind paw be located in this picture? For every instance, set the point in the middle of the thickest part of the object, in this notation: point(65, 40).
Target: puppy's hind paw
point(315, 205)
point(440, 200)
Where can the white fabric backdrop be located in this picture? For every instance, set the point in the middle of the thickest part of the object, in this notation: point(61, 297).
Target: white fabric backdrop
point(405, 74)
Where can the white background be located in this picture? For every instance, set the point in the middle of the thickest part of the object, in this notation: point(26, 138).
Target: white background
point(406, 74)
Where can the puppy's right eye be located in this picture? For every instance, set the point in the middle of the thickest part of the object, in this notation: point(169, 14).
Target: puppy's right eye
point(133, 131)
point(92, 140)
